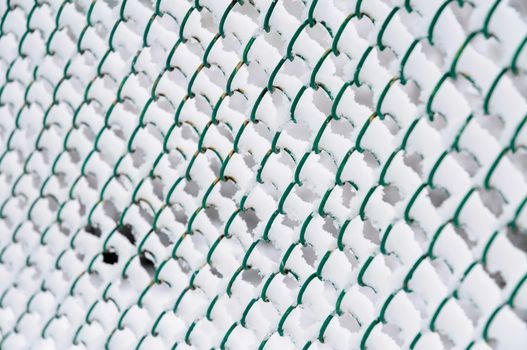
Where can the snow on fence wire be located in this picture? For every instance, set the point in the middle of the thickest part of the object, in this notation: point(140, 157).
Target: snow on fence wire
point(263, 174)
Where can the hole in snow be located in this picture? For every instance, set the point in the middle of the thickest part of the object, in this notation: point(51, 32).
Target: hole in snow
point(352, 258)
point(224, 131)
point(414, 161)
point(154, 131)
point(52, 204)
point(163, 238)
point(179, 214)
point(250, 218)
point(392, 262)
point(412, 91)
point(498, 278)
point(252, 276)
point(349, 322)
point(192, 188)
point(371, 232)
point(348, 192)
point(470, 310)
point(517, 237)
point(446, 342)
point(138, 157)
point(274, 39)
point(342, 127)
point(363, 95)
point(249, 161)
point(492, 200)
point(214, 163)
point(288, 222)
point(298, 131)
point(74, 155)
point(463, 234)
point(185, 267)
point(146, 212)
point(91, 180)
point(319, 34)
point(364, 27)
point(390, 123)
point(519, 158)
point(306, 194)
point(433, 53)
point(95, 279)
point(393, 332)
point(213, 215)
point(322, 101)
point(290, 282)
point(110, 258)
point(444, 271)
point(189, 133)
point(93, 230)
point(294, 8)
point(228, 189)
point(438, 122)
point(215, 75)
point(329, 226)
point(268, 250)
point(309, 255)
point(437, 196)
point(391, 195)
point(467, 161)
point(126, 231)
point(386, 57)
point(157, 187)
point(215, 272)
point(370, 159)
point(199, 241)
point(493, 124)
point(296, 68)
point(110, 210)
point(146, 260)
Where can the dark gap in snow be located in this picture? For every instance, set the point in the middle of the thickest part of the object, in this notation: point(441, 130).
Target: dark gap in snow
point(179, 214)
point(467, 162)
point(110, 210)
point(391, 195)
point(147, 263)
point(250, 218)
point(347, 321)
point(110, 257)
point(157, 187)
point(463, 234)
point(517, 237)
point(287, 221)
point(126, 231)
point(164, 238)
point(93, 230)
point(492, 200)
point(370, 232)
point(138, 157)
point(363, 96)
point(213, 215)
point(437, 196)
point(228, 189)
point(215, 272)
point(252, 276)
point(192, 188)
point(414, 161)
point(329, 226)
point(309, 255)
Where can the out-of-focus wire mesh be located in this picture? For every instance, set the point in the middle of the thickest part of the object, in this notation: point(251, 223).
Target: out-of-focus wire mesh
point(263, 174)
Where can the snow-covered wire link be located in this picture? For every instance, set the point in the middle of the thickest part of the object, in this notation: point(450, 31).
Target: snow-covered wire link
point(263, 174)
